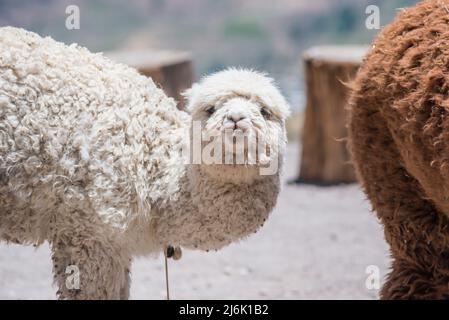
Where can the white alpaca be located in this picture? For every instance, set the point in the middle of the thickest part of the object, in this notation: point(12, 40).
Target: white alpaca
point(91, 161)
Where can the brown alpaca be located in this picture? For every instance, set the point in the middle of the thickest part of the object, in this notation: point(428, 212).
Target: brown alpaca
point(399, 139)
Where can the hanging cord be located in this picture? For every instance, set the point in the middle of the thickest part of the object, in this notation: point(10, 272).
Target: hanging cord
point(167, 287)
point(176, 254)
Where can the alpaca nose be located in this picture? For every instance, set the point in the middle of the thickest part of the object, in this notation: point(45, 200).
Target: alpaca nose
point(234, 120)
point(236, 116)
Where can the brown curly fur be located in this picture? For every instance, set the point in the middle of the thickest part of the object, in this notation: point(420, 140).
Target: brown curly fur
point(399, 139)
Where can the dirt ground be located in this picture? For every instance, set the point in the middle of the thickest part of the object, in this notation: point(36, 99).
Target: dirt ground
point(316, 245)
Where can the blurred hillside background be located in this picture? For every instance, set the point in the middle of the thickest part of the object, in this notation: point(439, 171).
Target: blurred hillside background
point(265, 35)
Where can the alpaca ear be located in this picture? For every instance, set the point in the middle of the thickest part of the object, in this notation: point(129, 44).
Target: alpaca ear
point(282, 107)
point(286, 110)
point(189, 95)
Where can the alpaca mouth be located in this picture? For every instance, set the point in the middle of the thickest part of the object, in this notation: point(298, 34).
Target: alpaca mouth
point(237, 138)
point(239, 147)
point(245, 149)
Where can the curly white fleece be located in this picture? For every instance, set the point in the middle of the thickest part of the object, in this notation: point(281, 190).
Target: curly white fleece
point(90, 161)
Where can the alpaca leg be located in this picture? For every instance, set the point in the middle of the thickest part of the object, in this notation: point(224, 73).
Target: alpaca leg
point(410, 281)
point(88, 261)
point(124, 290)
point(91, 269)
point(418, 234)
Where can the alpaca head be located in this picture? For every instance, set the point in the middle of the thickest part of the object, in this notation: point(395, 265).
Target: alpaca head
point(238, 122)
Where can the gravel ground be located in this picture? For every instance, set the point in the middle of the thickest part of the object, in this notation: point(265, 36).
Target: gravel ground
point(316, 245)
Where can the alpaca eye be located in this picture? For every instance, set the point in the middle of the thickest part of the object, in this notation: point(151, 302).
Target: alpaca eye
point(265, 113)
point(210, 110)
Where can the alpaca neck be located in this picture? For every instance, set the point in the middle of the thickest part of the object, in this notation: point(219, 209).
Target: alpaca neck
point(210, 212)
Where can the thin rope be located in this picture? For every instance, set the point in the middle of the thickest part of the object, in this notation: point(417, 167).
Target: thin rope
point(166, 276)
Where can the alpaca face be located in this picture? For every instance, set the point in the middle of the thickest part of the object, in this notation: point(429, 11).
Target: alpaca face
point(238, 118)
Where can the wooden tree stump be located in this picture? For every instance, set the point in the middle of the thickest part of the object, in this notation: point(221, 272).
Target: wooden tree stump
point(171, 70)
point(325, 159)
